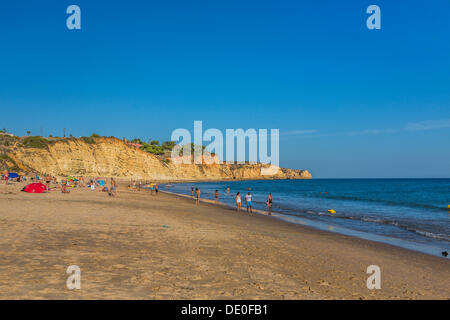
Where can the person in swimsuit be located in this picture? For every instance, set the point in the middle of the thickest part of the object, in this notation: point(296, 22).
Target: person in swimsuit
point(192, 191)
point(64, 188)
point(216, 195)
point(248, 201)
point(269, 203)
point(47, 181)
point(197, 193)
point(113, 188)
point(156, 189)
point(238, 201)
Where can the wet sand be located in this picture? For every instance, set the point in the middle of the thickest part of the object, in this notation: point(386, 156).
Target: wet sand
point(141, 246)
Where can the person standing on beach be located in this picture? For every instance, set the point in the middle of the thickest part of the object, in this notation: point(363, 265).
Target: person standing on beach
point(216, 195)
point(48, 179)
point(238, 201)
point(192, 191)
point(269, 203)
point(156, 189)
point(197, 194)
point(248, 201)
point(5, 177)
point(113, 187)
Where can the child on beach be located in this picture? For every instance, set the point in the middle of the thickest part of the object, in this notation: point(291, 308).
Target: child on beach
point(248, 201)
point(238, 201)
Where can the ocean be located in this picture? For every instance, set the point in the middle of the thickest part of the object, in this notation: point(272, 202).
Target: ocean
point(410, 213)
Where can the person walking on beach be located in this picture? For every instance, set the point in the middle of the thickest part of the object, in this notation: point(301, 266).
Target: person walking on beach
point(197, 194)
point(269, 203)
point(238, 201)
point(248, 201)
point(216, 195)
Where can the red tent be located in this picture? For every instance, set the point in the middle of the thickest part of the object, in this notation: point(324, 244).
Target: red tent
point(35, 188)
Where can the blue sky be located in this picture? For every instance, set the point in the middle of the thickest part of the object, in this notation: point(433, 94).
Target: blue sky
point(349, 102)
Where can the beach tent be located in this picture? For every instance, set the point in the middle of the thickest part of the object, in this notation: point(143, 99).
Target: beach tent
point(12, 175)
point(35, 188)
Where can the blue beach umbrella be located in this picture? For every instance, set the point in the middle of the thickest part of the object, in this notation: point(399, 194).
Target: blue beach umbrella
point(13, 175)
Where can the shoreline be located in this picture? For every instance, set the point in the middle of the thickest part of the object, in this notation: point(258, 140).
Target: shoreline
point(327, 227)
point(142, 246)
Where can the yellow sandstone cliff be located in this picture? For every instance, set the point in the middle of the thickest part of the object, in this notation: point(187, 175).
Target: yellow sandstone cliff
point(111, 157)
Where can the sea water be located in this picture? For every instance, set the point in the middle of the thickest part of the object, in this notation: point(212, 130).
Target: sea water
point(411, 213)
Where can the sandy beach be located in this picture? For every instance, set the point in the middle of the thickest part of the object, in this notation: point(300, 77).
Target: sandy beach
point(141, 246)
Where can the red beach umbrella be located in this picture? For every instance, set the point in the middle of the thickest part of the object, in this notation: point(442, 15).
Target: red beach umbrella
point(35, 188)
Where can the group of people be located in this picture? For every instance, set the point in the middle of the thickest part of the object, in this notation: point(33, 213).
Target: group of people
point(5, 177)
point(138, 185)
point(64, 184)
point(248, 199)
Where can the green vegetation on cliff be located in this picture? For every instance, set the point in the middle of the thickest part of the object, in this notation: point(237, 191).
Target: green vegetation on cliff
point(35, 142)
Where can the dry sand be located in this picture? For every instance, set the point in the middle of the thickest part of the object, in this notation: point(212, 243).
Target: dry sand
point(139, 246)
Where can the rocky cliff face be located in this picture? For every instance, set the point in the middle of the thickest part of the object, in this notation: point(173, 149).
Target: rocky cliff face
point(111, 157)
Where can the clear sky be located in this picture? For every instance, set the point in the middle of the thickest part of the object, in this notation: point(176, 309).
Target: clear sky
point(349, 102)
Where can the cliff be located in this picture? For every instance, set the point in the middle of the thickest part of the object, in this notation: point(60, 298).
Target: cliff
point(111, 157)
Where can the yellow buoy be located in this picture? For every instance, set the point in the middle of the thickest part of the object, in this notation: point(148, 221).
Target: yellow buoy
point(331, 211)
